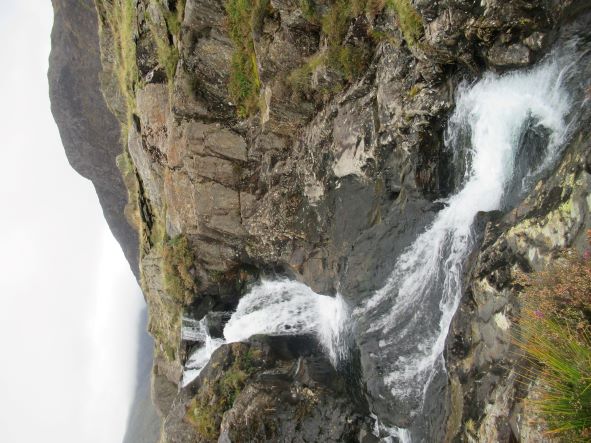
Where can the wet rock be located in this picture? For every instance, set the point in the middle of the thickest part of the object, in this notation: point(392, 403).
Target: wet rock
point(283, 388)
point(555, 215)
point(511, 56)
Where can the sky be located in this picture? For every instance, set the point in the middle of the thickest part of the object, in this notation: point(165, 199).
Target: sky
point(69, 304)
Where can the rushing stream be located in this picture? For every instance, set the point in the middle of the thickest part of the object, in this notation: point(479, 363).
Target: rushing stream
point(505, 131)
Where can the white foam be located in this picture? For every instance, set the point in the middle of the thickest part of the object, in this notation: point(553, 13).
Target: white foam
point(286, 307)
point(429, 273)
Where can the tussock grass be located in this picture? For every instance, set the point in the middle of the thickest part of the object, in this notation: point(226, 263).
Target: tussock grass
point(555, 336)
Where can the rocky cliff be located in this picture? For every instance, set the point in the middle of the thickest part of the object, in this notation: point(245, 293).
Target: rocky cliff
point(89, 131)
point(304, 139)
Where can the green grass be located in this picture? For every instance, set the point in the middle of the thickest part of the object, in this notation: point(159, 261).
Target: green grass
point(300, 78)
point(245, 17)
point(177, 266)
point(129, 174)
point(562, 360)
point(409, 20)
point(414, 90)
point(309, 11)
point(121, 18)
point(345, 58)
point(174, 17)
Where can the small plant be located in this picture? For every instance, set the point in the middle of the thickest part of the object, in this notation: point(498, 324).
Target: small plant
point(349, 60)
point(309, 12)
point(178, 269)
point(555, 334)
point(300, 79)
point(414, 90)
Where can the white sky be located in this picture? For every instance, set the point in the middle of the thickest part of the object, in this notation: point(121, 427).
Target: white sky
point(69, 305)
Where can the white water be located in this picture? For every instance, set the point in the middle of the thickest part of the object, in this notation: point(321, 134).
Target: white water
point(196, 330)
point(413, 311)
point(288, 307)
point(282, 307)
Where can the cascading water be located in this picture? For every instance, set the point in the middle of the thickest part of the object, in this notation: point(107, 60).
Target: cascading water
point(287, 307)
point(282, 307)
point(197, 331)
point(411, 314)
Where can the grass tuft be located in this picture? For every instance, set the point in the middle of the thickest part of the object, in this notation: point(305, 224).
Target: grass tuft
point(121, 17)
point(166, 51)
point(555, 335)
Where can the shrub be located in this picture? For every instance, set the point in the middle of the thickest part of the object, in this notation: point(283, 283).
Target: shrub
point(562, 291)
point(555, 334)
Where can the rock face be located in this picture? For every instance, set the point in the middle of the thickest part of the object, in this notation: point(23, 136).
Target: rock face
point(305, 139)
point(270, 389)
point(89, 131)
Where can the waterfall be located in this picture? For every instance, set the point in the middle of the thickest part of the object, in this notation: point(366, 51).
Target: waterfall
point(411, 314)
point(286, 307)
point(281, 307)
point(504, 133)
point(197, 331)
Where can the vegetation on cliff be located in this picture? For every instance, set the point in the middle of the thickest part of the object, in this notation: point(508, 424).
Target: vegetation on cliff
point(166, 50)
point(348, 41)
point(206, 410)
point(245, 18)
point(178, 269)
point(555, 333)
point(121, 19)
point(409, 20)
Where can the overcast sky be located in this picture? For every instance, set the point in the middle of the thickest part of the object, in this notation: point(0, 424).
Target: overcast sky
point(69, 305)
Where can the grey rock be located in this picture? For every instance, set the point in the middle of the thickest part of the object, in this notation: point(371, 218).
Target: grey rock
point(511, 56)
